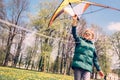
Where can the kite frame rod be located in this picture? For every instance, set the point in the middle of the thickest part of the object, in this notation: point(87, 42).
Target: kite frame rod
point(100, 5)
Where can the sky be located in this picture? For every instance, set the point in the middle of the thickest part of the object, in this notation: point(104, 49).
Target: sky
point(34, 6)
point(108, 19)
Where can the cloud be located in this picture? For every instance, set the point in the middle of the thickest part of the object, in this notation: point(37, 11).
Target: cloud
point(114, 26)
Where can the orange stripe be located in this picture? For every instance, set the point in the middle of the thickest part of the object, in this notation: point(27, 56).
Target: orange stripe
point(55, 16)
point(86, 6)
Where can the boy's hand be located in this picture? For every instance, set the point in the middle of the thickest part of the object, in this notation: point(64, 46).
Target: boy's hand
point(101, 74)
point(74, 20)
point(75, 17)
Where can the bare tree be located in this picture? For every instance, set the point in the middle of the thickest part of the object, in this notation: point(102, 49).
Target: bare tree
point(19, 48)
point(115, 39)
point(14, 13)
point(2, 12)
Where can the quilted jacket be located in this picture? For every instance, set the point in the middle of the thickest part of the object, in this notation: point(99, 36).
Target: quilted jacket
point(84, 55)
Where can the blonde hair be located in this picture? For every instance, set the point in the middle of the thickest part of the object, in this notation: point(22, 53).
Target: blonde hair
point(89, 30)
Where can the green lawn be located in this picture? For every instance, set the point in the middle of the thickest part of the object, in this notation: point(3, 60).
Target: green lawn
point(18, 74)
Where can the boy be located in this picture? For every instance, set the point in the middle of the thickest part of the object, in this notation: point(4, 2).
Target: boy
point(84, 56)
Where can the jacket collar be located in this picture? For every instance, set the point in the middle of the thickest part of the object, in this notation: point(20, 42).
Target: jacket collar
point(87, 40)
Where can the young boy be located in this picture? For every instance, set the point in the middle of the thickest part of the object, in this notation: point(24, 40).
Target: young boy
point(84, 56)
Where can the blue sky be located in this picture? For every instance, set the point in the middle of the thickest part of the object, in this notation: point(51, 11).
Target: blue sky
point(107, 19)
point(34, 6)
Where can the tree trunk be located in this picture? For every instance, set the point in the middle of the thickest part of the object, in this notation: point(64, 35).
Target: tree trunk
point(9, 43)
point(20, 60)
point(65, 65)
point(32, 66)
point(62, 59)
point(40, 64)
point(57, 61)
point(28, 64)
point(19, 49)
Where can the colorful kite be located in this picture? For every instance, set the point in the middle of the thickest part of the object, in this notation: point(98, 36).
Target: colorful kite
point(66, 7)
point(73, 7)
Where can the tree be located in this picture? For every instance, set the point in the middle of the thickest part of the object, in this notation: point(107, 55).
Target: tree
point(40, 23)
point(2, 11)
point(14, 13)
point(19, 48)
point(45, 56)
point(2, 53)
point(115, 40)
point(56, 67)
point(3, 38)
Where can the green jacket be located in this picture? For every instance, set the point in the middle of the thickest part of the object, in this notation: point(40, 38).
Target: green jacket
point(84, 55)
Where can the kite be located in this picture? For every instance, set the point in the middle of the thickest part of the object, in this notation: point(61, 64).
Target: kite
point(75, 7)
point(66, 7)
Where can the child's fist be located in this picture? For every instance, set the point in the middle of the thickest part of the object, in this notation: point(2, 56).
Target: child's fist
point(101, 74)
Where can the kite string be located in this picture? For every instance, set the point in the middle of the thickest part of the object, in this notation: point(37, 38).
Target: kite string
point(27, 30)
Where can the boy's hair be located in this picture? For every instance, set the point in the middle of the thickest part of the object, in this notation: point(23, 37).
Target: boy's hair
point(91, 31)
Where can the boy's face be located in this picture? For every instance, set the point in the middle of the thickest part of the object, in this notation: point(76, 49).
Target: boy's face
point(88, 35)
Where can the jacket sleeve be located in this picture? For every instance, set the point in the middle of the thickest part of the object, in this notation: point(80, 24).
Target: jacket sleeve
point(75, 34)
point(96, 63)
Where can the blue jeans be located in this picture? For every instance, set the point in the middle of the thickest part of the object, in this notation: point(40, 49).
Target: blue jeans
point(80, 74)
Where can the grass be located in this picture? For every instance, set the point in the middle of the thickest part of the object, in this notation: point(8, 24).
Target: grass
point(19, 74)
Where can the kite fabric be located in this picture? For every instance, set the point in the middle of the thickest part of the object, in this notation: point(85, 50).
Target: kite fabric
point(79, 9)
point(65, 7)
